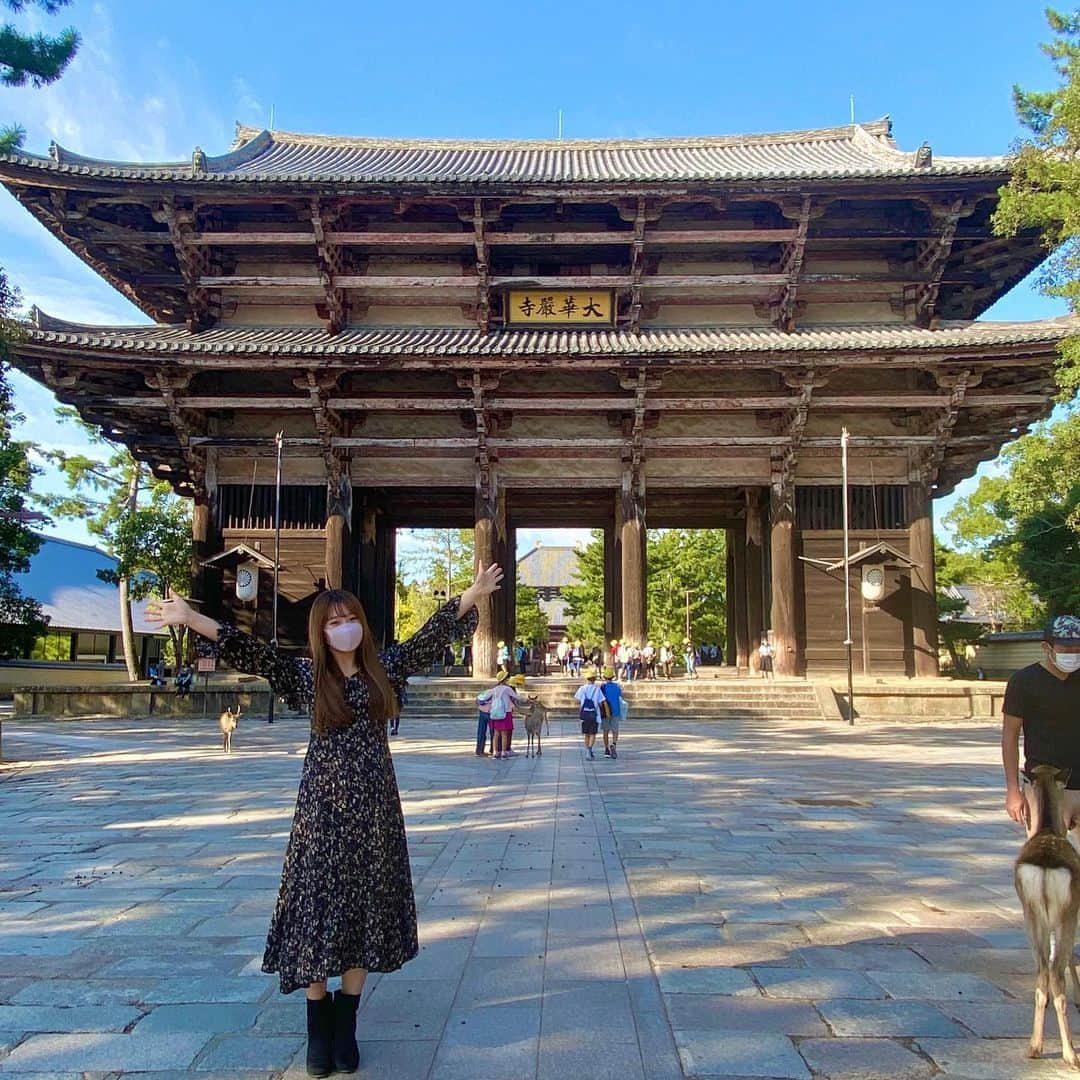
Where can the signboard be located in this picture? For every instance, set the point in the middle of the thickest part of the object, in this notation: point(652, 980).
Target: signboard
point(561, 307)
point(206, 663)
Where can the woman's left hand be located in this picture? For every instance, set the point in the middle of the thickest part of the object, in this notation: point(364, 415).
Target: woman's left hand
point(488, 580)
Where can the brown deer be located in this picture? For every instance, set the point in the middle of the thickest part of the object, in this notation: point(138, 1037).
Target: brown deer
point(534, 716)
point(227, 721)
point(1047, 877)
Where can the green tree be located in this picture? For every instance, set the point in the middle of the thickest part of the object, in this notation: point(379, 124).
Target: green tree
point(152, 545)
point(585, 595)
point(415, 605)
point(531, 622)
point(677, 560)
point(1044, 191)
point(1024, 523)
point(104, 492)
point(21, 618)
point(442, 559)
point(38, 59)
point(683, 561)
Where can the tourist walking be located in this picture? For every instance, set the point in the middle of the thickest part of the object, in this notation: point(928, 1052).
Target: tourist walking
point(501, 699)
point(1043, 700)
point(648, 659)
point(346, 904)
point(609, 723)
point(765, 658)
point(667, 658)
point(690, 658)
point(577, 658)
point(483, 719)
point(562, 652)
point(591, 706)
point(504, 657)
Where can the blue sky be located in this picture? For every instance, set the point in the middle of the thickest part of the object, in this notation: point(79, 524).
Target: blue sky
point(153, 80)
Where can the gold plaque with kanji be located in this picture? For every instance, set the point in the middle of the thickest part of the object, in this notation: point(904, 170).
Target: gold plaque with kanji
point(562, 307)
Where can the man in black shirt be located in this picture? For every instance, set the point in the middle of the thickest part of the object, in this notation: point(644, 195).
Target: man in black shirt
point(1044, 701)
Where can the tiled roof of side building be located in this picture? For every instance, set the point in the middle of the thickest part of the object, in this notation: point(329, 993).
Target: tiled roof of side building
point(548, 566)
point(853, 151)
point(63, 579)
point(436, 341)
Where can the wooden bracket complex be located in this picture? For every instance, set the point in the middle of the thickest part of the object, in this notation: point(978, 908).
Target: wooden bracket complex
point(195, 263)
point(332, 264)
point(791, 262)
point(933, 255)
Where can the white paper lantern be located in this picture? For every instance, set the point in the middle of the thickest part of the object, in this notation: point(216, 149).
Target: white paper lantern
point(247, 581)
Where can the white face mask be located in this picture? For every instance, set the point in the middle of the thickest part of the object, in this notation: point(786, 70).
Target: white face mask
point(346, 636)
point(1069, 662)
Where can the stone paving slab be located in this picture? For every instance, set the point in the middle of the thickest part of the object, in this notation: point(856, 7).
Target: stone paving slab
point(747, 899)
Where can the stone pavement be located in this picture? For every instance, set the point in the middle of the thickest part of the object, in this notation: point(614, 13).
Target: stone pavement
point(753, 899)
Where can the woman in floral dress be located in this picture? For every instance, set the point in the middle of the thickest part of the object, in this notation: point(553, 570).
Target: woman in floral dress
point(346, 904)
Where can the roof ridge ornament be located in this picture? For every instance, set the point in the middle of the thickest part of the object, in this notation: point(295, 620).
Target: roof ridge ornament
point(924, 156)
point(198, 160)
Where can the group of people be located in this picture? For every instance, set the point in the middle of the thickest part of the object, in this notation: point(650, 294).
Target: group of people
point(601, 707)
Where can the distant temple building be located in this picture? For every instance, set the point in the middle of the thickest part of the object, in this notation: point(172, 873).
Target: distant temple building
point(549, 570)
point(583, 334)
point(83, 640)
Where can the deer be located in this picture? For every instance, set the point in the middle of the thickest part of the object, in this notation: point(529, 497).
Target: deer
point(1047, 878)
point(227, 721)
point(534, 715)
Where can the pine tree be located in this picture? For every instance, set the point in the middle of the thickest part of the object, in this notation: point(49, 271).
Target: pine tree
point(1044, 192)
point(38, 59)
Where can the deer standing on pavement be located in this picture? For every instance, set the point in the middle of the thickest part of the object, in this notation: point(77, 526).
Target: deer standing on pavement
point(227, 721)
point(534, 716)
point(1047, 877)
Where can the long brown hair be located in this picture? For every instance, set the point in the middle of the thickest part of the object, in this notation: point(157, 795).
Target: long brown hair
point(330, 711)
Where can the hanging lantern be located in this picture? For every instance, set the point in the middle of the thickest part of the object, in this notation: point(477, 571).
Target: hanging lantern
point(247, 581)
point(873, 582)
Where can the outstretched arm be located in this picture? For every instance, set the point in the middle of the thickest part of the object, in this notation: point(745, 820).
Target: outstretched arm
point(287, 675)
point(455, 619)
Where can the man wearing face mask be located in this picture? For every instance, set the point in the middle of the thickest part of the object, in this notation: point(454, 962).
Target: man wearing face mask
point(1043, 700)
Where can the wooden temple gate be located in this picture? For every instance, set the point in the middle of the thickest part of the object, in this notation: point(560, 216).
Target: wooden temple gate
point(602, 334)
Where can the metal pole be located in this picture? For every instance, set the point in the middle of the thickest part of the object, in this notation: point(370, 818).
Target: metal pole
point(847, 583)
point(279, 441)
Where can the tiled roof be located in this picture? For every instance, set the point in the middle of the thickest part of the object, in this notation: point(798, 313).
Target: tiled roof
point(432, 341)
point(63, 579)
point(853, 151)
point(548, 567)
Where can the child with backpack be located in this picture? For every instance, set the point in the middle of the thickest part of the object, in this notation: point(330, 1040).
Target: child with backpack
point(592, 706)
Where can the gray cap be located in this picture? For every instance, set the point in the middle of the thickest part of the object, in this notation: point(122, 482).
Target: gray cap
point(1065, 628)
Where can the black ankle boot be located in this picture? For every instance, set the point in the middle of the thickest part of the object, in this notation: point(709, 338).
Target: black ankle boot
point(320, 1036)
point(346, 1052)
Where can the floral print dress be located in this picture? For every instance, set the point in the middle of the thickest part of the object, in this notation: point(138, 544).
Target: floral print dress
point(346, 897)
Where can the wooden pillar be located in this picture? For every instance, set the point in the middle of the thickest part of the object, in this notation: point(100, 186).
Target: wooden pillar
point(755, 621)
point(200, 550)
point(376, 568)
point(387, 564)
point(338, 541)
point(923, 584)
point(612, 586)
point(786, 659)
point(738, 545)
point(730, 645)
point(485, 652)
point(631, 522)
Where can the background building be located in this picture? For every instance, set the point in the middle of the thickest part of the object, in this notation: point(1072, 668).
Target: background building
point(83, 642)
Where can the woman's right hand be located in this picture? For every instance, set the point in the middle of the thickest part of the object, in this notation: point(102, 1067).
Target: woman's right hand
point(171, 611)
